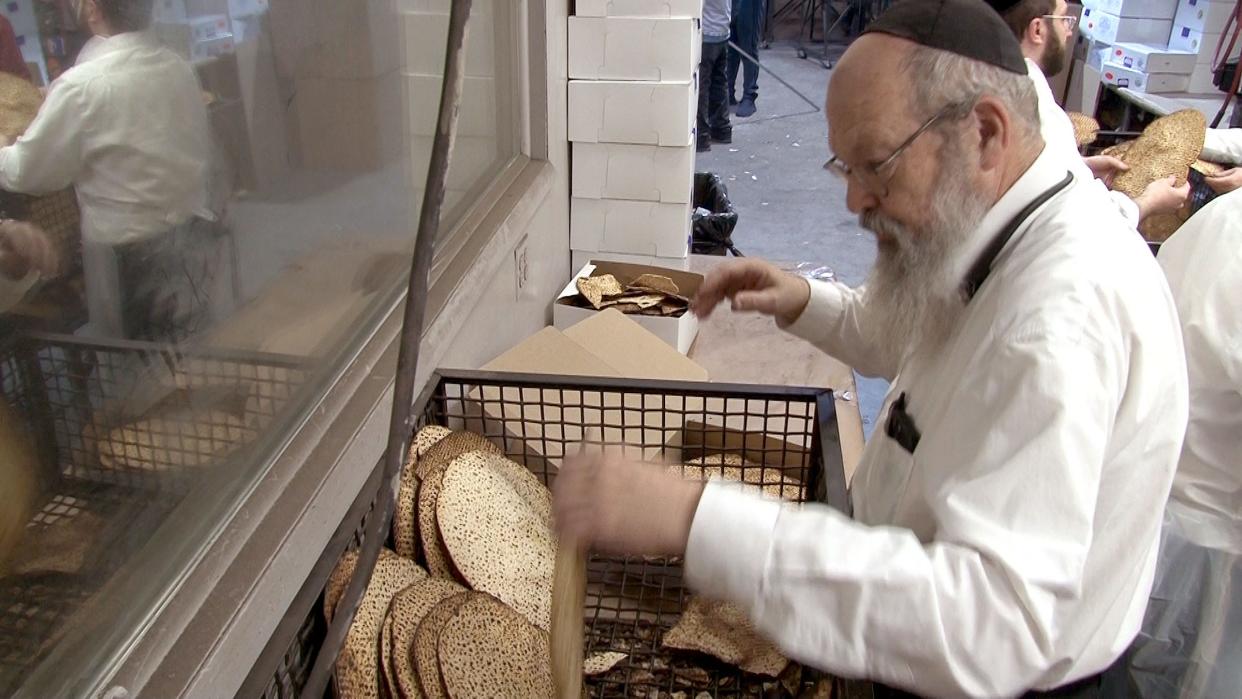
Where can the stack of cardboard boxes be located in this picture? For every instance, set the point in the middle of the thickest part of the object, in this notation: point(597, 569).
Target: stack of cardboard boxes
point(633, 97)
point(1155, 46)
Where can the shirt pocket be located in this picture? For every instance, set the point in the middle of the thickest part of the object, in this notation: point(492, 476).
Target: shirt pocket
point(883, 477)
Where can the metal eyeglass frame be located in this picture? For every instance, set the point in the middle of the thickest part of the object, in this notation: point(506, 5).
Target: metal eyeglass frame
point(870, 175)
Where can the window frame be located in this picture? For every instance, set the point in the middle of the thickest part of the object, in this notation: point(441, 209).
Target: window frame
point(221, 613)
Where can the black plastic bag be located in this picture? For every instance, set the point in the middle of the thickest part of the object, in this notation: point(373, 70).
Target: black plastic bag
point(712, 233)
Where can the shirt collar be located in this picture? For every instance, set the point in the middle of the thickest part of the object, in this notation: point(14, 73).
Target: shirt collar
point(1045, 172)
point(116, 42)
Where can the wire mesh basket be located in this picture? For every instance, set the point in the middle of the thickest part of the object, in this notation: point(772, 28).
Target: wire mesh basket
point(631, 602)
point(123, 432)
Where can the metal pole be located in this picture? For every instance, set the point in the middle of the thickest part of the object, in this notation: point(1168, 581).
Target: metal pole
point(401, 423)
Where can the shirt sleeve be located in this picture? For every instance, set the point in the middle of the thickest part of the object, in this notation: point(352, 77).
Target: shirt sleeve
point(833, 321)
point(48, 156)
point(1223, 146)
point(1128, 207)
point(971, 611)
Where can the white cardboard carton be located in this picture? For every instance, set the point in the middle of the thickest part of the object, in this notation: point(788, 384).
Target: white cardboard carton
point(676, 332)
point(633, 48)
point(1112, 29)
point(1097, 54)
point(692, 9)
point(1187, 39)
point(632, 227)
point(1152, 9)
point(1155, 83)
point(638, 173)
point(648, 113)
point(1152, 59)
point(580, 258)
point(1204, 16)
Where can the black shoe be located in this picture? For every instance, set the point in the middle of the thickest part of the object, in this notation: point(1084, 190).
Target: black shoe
point(722, 136)
point(704, 145)
point(745, 108)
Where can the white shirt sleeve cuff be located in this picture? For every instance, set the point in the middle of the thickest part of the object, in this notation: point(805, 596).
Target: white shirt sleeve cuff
point(730, 543)
point(822, 310)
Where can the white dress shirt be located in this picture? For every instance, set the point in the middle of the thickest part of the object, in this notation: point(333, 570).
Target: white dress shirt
point(1222, 146)
point(1058, 131)
point(1015, 548)
point(1203, 263)
point(127, 127)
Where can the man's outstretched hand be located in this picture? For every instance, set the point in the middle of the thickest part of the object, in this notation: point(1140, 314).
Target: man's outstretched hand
point(1226, 181)
point(753, 285)
point(605, 503)
point(1105, 167)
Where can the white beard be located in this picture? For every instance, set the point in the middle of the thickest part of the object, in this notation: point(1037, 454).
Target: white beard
point(913, 294)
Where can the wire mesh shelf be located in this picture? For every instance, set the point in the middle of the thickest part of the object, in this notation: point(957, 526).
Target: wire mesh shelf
point(123, 431)
point(770, 435)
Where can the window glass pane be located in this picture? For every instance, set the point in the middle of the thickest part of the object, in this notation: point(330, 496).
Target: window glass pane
point(212, 204)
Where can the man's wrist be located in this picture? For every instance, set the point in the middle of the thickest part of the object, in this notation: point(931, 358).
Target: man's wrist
point(685, 504)
point(787, 319)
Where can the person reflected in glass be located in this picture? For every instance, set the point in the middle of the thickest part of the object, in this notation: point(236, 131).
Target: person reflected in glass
point(127, 127)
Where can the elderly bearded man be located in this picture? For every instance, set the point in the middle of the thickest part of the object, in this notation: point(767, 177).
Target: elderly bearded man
point(1006, 542)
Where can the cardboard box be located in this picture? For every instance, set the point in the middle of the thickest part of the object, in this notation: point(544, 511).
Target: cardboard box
point(1156, 83)
point(549, 422)
point(1098, 54)
point(1204, 16)
point(1090, 90)
point(633, 48)
point(644, 113)
point(1152, 59)
point(1201, 83)
point(1153, 9)
point(639, 8)
point(1111, 29)
point(1187, 39)
point(580, 258)
point(678, 333)
point(632, 227)
point(247, 8)
point(638, 173)
point(197, 38)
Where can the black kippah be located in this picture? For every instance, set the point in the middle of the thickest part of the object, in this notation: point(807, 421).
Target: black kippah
point(968, 28)
point(1003, 6)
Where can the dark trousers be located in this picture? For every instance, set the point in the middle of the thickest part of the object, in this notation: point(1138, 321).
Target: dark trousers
point(747, 22)
point(713, 118)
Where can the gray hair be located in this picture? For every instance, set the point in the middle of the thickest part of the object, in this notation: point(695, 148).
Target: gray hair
point(939, 78)
point(126, 15)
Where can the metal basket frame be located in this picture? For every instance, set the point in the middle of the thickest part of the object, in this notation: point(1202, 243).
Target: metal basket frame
point(645, 595)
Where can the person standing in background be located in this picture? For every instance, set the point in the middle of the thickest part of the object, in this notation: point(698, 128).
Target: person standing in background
point(747, 21)
point(128, 129)
point(713, 119)
point(11, 60)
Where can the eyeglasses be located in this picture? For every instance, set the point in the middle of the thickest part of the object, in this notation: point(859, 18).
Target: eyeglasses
point(875, 176)
point(1070, 21)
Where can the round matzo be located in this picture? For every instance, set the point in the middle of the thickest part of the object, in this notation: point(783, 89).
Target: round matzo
point(403, 525)
point(770, 481)
point(19, 104)
point(407, 610)
point(488, 650)
point(426, 642)
point(497, 541)
point(429, 488)
point(1168, 146)
point(357, 667)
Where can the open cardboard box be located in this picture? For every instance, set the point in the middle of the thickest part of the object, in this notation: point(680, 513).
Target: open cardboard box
point(678, 333)
point(551, 422)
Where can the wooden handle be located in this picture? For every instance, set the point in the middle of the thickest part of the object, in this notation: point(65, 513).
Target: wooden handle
point(568, 597)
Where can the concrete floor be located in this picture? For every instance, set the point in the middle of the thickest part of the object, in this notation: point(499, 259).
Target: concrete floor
point(789, 208)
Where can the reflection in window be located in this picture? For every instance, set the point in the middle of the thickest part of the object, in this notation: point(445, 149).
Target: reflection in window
point(208, 208)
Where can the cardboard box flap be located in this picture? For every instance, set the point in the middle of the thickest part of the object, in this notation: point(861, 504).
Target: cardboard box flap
point(549, 351)
point(631, 350)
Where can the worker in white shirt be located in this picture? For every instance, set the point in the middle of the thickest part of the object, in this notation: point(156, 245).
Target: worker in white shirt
point(1007, 516)
point(1044, 29)
point(1191, 641)
point(128, 129)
